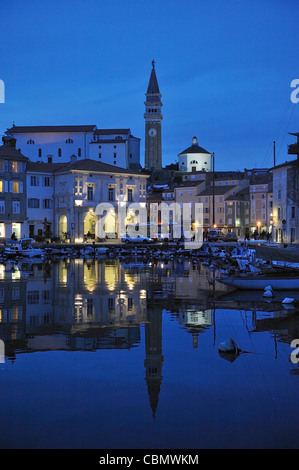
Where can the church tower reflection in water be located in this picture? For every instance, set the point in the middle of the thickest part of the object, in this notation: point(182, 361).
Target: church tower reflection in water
point(154, 359)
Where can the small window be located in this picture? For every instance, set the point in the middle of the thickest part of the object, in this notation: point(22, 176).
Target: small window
point(15, 207)
point(90, 193)
point(69, 141)
point(100, 155)
point(39, 152)
point(59, 152)
point(111, 194)
point(34, 181)
point(30, 142)
point(79, 152)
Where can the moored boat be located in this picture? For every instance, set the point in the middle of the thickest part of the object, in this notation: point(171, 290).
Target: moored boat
point(278, 280)
point(22, 247)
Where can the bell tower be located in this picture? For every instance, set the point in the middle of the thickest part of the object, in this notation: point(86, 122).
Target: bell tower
point(153, 117)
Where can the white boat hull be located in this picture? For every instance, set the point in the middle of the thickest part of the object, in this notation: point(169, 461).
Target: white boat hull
point(260, 282)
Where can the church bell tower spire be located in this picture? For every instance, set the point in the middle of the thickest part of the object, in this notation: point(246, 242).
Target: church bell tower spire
point(153, 117)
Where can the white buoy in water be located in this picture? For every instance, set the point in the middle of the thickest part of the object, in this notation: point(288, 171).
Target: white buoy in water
point(288, 300)
point(228, 346)
point(268, 288)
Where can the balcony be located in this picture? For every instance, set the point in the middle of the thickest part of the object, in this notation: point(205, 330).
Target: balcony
point(293, 149)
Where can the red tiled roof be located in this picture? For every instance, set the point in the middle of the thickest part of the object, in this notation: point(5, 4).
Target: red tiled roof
point(219, 190)
point(44, 167)
point(11, 153)
point(93, 165)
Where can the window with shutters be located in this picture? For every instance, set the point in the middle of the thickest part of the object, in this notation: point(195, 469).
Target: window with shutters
point(15, 207)
point(16, 187)
point(34, 181)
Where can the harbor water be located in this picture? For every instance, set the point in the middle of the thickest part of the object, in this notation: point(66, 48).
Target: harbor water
point(102, 354)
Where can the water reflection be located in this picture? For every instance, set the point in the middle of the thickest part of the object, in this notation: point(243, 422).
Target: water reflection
point(87, 305)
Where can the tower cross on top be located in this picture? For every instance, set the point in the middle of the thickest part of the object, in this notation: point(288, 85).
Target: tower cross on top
point(153, 63)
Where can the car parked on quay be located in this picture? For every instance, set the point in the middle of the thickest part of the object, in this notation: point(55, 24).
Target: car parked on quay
point(138, 239)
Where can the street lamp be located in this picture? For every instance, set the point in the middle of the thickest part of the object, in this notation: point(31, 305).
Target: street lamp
point(258, 227)
point(213, 169)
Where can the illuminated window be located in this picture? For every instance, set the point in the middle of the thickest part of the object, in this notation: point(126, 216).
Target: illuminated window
point(1, 186)
point(15, 187)
point(78, 186)
point(2, 230)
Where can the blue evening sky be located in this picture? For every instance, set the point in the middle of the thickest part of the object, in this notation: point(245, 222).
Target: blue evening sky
point(224, 69)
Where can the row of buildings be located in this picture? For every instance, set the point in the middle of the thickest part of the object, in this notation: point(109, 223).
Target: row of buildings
point(52, 179)
point(59, 200)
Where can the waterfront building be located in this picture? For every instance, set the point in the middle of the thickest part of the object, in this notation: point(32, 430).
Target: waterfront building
point(186, 195)
point(59, 144)
point(78, 189)
point(219, 187)
point(286, 198)
point(237, 213)
point(153, 123)
point(12, 189)
point(195, 158)
point(261, 202)
point(40, 199)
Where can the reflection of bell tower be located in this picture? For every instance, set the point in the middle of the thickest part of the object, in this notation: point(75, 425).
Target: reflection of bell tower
point(153, 117)
point(154, 359)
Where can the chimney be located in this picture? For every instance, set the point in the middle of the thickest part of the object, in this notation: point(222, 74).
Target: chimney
point(9, 141)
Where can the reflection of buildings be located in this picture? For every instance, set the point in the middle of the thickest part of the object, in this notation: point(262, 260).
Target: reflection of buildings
point(90, 305)
point(195, 321)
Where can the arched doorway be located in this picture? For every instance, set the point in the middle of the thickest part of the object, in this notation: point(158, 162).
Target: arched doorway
point(110, 226)
point(90, 225)
point(63, 231)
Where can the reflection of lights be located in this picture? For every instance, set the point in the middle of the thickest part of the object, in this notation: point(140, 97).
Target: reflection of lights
point(143, 294)
point(78, 202)
point(131, 286)
point(16, 274)
point(2, 271)
point(78, 300)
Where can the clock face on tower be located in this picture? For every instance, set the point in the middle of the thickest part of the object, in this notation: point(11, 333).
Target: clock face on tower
point(152, 132)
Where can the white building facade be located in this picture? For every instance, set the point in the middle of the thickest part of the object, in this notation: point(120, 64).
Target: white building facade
point(81, 186)
point(195, 158)
point(60, 144)
point(285, 202)
point(40, 199)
